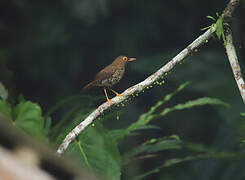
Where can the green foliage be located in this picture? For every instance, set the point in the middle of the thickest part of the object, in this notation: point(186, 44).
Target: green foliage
point(28, 116)
point(73, 110)
point(174, 161)
point(97, 150)
point(144, 119)
point(94, 148)
point(25, 115)
point(147, 117)
point(196, 151)
point(155, 145)
point(242, 114)
point(171, 142)
point(219, 26)
point(220, 29)
point(5, 109)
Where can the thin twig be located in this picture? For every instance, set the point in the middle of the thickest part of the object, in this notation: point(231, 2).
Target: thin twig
point(232, 57)
point(146, 83)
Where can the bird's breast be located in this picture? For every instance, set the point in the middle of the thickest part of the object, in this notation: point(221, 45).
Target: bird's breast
point(114, 78)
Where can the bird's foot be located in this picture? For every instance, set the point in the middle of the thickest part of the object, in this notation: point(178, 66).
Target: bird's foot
point(108, 100)
point(115, 92)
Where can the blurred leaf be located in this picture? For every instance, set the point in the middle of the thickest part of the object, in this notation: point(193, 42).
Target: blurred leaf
point(192, 103)
point(148, 116)
point(144, 127)
point(195, 147)
point(21, 98)
point(5, 109)
point(118, 134)
point(242, 114)
point(166, 143)
point(145, 118)
point(219, 155)
point(155, 145)
point(3, 92)
point(174, 161)
point(96, 149)
point(29, 118)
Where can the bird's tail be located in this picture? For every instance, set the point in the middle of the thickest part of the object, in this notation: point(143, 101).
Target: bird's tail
point(88, 86)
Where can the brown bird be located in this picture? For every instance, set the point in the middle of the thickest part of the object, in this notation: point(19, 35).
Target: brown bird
point(110, 75)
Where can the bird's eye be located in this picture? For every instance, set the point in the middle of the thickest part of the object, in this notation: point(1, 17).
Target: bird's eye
point(125, 58)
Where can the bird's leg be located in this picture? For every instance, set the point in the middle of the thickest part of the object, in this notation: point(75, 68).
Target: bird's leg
point(115, 92)
point(106, 96)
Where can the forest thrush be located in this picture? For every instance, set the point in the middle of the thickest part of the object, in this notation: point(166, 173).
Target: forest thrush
point(110, 75)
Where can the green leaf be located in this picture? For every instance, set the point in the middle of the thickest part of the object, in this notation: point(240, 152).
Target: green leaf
point(118, 134)
point(5, 109)
point(155, 145)
point(174, 161)
point(192, 103)
point(195, 147)
point(242, 114)
point(29, 118)
point(96, 149)
point(211, 17)
point(205, 28)
point(145, 118)
point(220, 29)
point(146, 127)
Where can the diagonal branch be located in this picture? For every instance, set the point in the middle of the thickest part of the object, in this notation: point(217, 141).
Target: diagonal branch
point(232, 57)
point(146, 83)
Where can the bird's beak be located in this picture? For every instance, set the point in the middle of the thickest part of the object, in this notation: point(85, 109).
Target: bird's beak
point(131, 59)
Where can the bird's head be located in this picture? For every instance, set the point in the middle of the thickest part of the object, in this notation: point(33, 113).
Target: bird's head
point(126, 59)
point(123, 60)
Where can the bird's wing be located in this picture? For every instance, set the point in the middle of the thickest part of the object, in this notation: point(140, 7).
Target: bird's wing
point(105, 73)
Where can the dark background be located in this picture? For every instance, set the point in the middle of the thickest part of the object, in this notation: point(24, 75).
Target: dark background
point(50, 49)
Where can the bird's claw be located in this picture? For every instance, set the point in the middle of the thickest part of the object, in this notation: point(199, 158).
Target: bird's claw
point(109, 101)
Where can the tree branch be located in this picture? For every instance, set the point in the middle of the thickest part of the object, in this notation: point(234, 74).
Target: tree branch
point(232, 57)
point(147, 82)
